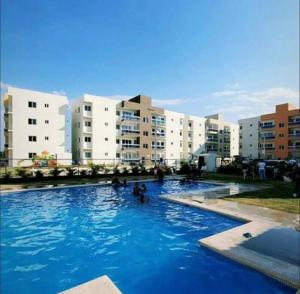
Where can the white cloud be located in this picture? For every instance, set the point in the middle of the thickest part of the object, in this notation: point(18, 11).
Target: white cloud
point(228, 93)
point(60, 92)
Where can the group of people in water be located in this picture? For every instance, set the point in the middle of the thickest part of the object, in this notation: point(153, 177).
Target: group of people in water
point(138, 191)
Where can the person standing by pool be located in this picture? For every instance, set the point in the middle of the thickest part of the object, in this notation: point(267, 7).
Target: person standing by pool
point(136, 189)
point(262, 170)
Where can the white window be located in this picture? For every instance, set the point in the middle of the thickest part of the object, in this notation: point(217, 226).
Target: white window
point(31, 104)
point(106, 124)
point(46, 105)
point(46, 138)
point(87, 108)
point(106, 108)
point(87, 139)
point(46, 121)
point(32, 138)
point(88, 124)
point(31, 121)
point(88, 155)
point(31, 155)
point(106, 139)
point(106, 154)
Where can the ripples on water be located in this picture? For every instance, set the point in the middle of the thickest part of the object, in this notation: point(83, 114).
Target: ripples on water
point(54, 239)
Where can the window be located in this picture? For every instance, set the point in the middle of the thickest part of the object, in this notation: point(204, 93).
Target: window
point(145, 146)
point(281, 135)
point(190, 145)
point(106, 154)
point(145, 119)
point(281, 125)
point(46, 121)
point(117, 141)
point(281, 147)
point(106, 124)
point(87, 154)
point(106, 109)
point(145, 133)
point(31, 121)
point(88, 123)
point(180, 133)
point(106, 139)
point(250, 125)
point(250, 145)
point(172, 143)
point(221, 131)
point(78, 125)
point(46, 105)
point(32, 138)
point(46, 138)
point(32, 104)
point(220, 140)
point(78, 140)
point(78, 109)
point(87, 139)
point(118, 127)
point(172, 131)
point(250, 135)
point(199, 135)
point(172, 119)
point(31, 155)
point(117, 155)
point(190, 124)
point(87, 107)
point(118, 113)
point(241, 127)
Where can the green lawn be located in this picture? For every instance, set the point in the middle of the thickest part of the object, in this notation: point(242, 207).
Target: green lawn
point(276, 195)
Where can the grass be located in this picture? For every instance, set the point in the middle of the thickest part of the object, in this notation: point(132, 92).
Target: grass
point(274, 195)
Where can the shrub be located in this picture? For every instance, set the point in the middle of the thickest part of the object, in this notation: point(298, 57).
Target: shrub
point(70, 171)
point(135, 170)
point(83, 172)
point(94, 169)
point(7, 175)
point(116, 171)
point(184, 168)
point(125, 171)
point(56, 172)
point(230, 170)
point(22, 172)
point(39, 174)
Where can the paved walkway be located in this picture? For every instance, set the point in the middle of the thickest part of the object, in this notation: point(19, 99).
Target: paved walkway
point(273, 248)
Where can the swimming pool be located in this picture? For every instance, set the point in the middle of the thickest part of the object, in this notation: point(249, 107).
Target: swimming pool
point(55, 239)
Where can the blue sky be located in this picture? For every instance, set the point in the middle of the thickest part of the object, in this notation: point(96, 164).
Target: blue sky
point(238, 57)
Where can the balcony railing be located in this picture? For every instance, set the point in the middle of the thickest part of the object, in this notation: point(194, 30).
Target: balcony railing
point(212, 130)
point(267, 138)
point(268, 148)
point(212, 140)
point(158, 147)
point(293, 123)
point(158, 122)
point(294, 146)
point(125, 132)
point(294, 135)
point(226, 141)
point(124, 146)
point(130, 117)
point(159, 134)
point(267, 126)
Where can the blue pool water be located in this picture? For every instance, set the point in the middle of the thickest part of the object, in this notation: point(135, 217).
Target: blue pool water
point(55, 239)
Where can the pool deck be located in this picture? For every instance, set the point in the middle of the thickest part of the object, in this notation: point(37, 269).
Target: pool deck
point(273, 249)
point(101, 285)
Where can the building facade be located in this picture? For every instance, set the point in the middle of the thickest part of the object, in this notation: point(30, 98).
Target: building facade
point(35, 123)
point(94, 129)
point(249, 129)
point(280, 133)
point(221, 137)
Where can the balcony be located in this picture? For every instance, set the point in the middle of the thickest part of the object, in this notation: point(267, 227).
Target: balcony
point(294, 147)
point(87, 145)
point(130, 118)
point(158, 123)
point(226, 132)
point(128, 132)
point(267, 138)
point(294, 122)
point(158, 147)
point(227, 141)
point(294, 135)
point(213, 140)
point(87, 129)
point(158, 134)
point(267, 126)
point(212, 130)
point(269, 148)
point(212, 150)
point(130, 146)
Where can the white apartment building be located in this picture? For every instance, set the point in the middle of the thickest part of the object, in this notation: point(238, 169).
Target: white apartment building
point(35, 123)
point(94, 129)
point(249, 137)
point(221, 137)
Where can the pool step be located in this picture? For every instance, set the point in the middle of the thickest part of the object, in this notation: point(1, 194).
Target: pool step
point(102, 285)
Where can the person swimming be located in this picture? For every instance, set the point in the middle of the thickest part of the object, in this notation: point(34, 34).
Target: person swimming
point(115, 182)
point(144, 188)
point(136, 189)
